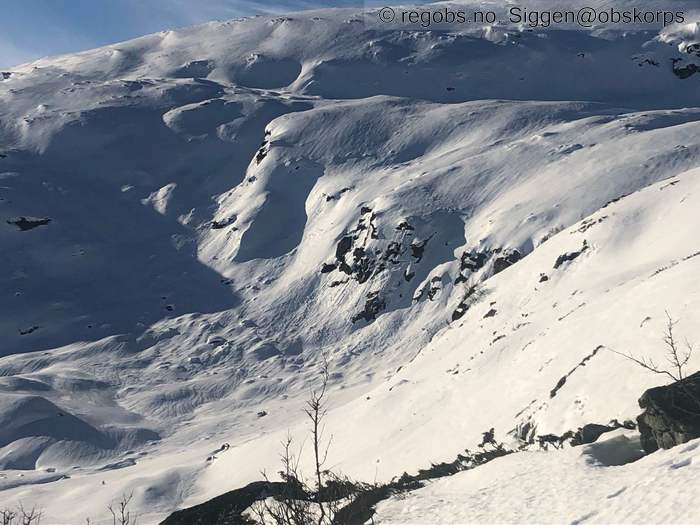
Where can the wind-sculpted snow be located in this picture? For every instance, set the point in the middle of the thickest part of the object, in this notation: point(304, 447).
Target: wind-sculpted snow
point(189, 220)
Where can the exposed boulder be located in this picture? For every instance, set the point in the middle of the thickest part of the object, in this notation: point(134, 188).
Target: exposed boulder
point(508, 258)
point(671, 414)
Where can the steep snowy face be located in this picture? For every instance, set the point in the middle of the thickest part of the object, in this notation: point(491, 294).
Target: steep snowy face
point(191, 219)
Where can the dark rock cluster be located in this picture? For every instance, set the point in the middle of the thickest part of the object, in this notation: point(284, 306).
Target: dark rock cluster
point(361, 254)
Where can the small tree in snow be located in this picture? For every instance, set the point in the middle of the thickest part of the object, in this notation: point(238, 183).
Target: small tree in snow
point(121, 515)
point(302, 501)
point(20, 516)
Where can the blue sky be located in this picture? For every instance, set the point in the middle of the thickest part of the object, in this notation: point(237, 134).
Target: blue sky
point(34, 28)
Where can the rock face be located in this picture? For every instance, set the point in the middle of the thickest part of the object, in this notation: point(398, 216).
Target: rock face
point(671, 414)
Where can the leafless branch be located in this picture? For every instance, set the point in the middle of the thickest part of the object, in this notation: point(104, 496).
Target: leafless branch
point(7, 517)
point(28, 517)
point(121, 515)
point(677, 358)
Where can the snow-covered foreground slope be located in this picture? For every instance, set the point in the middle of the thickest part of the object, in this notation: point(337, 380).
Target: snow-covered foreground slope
point(572, 486)
point(191, 219)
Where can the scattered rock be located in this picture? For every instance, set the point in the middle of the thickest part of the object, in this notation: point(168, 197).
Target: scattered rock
point(570, 256)
point(337, 195)
point(583, 362)
point(435, 287)
point(28, 331)
point(589, 223)
point(28, 223)
point(223, 223)
point(585, 435)
point(497, 338)
point(264, 148)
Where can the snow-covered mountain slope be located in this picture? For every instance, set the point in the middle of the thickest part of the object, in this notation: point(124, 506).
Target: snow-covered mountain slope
point(465, 223)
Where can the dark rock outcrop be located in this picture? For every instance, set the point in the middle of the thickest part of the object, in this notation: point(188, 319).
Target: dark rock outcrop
point(471, 295)
point(671, 414)
point(509, 258)
point(684, 72)
point(373, 306)
point(569, 256)
point(223, 223)
point(328, 267)
point(227, 508)
point(418, 249)
point(590, 432)
point(469, 263)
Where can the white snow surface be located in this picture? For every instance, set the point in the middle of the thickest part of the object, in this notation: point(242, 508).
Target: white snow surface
point(168, 205)
point(574, 486)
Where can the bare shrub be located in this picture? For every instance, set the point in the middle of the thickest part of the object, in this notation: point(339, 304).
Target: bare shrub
point(7, 517)
point(20, 516)
point(121, 515)
point(305, 501)
point(676, 356)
